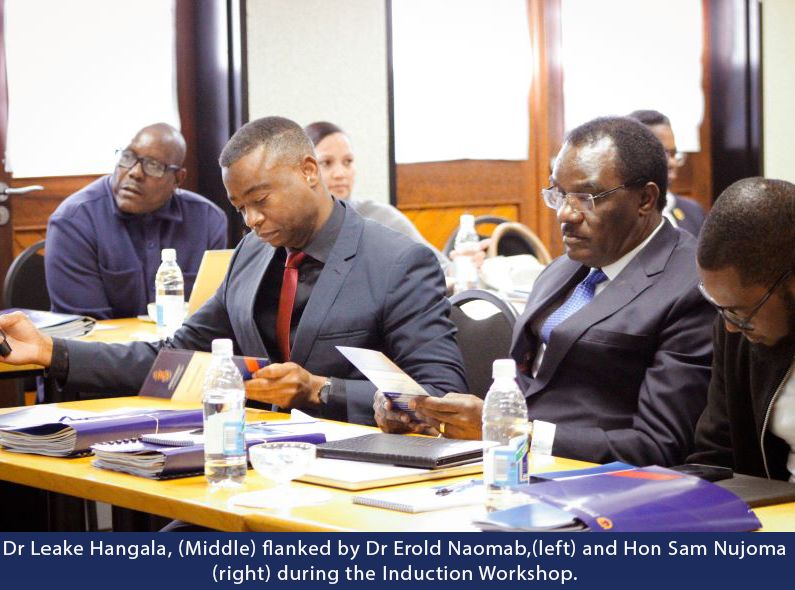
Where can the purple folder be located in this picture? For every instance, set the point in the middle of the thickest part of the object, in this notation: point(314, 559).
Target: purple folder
point(177, 461)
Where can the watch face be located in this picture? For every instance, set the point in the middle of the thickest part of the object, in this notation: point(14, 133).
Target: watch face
point(325, 390)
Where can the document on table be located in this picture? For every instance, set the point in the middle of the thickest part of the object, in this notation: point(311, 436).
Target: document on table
point(390, 379)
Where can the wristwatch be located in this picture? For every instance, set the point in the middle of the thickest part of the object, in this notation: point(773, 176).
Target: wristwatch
point(324, 392)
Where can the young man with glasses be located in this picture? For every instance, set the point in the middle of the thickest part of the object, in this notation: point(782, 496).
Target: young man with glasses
point(104, 241)
point(746, 259)
point(614, 343)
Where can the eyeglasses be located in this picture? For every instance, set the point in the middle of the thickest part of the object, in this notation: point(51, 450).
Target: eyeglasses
point(128, 159)
point(678, 157)
point(743, 324)
point(555, 198)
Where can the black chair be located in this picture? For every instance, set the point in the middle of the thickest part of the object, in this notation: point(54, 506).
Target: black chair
point(512, 238)
point(482, 341)
point(479, 220)
point(26, 284)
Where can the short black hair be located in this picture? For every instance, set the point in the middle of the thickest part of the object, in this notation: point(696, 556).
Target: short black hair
point(640, 153)
point(282, 136)
point(751, 227)
point(650, 117)
point(319, 130)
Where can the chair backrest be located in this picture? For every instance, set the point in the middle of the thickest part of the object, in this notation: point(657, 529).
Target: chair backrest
point(512, 238)
point(484, 334)
point(479, 220)
point(26, 284)
point(209, 277)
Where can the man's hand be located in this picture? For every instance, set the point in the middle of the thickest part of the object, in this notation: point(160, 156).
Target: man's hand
point(459, 412)
point(28, 345)
point(390, 419)
point(285, 384)
point(478, 257)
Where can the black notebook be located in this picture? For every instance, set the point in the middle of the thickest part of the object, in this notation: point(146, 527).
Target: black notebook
point(399, 449)
point(758, 491)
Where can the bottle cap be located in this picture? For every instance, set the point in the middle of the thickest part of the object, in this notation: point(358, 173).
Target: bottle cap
point(222, 346)
point(503, 369)
point(467, 221)
point(168, 255)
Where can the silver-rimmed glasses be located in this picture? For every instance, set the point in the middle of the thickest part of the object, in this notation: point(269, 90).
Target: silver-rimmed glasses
point(555, 198)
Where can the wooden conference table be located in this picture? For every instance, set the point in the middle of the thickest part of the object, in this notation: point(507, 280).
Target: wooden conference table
point(191, 499)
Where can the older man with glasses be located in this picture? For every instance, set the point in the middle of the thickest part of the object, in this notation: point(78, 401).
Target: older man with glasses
point(104, 241)
point(614, 344)
point(746, 258)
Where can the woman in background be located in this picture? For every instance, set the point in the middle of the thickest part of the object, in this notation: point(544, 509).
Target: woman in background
point(337, 168)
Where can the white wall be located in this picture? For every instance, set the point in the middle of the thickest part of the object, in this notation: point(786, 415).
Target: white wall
point(312, 60)
point(778, 87)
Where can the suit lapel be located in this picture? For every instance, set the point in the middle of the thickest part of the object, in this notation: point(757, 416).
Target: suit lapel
point(555, 282)
point(328, 286)
point(631, 282)
point(250, 328)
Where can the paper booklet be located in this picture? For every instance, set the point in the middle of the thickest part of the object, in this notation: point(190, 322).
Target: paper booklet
point(178, 374)
point(635, 499)
point(164, 461)
point(390, 379)
point(73, 437)
point(360, 475)
point(61, 325)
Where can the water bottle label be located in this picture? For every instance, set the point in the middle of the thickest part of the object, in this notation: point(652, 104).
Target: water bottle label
point(509, 462)
point(223, 434)
point(170, 309)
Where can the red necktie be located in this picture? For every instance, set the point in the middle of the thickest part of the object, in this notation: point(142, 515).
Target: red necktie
point(286, 300)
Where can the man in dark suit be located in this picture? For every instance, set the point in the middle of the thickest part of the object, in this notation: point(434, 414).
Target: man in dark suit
point(614, 343)
point(680, 211)
point(312, 275)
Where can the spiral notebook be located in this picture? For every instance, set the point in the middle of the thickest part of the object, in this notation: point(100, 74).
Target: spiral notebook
point(416, 500)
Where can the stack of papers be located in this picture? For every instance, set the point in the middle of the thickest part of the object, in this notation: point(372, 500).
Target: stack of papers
point(73, 437)
point(61, 325)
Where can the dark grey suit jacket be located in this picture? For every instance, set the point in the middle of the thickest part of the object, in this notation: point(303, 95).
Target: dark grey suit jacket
point(625, 378)
point(691, 213)
point(379, 290)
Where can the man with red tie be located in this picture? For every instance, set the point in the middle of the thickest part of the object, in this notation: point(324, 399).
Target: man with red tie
point(312, 275)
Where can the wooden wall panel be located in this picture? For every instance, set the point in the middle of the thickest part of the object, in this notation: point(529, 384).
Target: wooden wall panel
point(32, 210)
point(435, 194)
point(437, 223)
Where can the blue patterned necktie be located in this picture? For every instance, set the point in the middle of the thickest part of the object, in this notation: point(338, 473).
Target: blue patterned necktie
point(583, 293)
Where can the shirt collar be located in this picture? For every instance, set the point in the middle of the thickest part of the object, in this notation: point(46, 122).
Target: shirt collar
point(613, 269)
point(170, 211)
point(319, 247)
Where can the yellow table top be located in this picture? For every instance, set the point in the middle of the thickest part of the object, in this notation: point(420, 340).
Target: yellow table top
point(121, 330)
point(192, 500)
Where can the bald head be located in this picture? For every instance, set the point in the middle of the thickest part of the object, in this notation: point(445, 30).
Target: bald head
point(169, 138)
point(284, 141)
point(137, 191)
point(751, 228)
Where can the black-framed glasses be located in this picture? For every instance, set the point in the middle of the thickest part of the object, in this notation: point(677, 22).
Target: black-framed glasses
point(743, 324)
point(156, 168)
point(555, 198)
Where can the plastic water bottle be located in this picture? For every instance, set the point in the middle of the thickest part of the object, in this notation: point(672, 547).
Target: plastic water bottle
point(504, 465)
point(224, 418)
point(170, 294)
point(466, 246)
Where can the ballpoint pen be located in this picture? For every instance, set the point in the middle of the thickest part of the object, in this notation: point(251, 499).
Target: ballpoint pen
point(452, 489)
